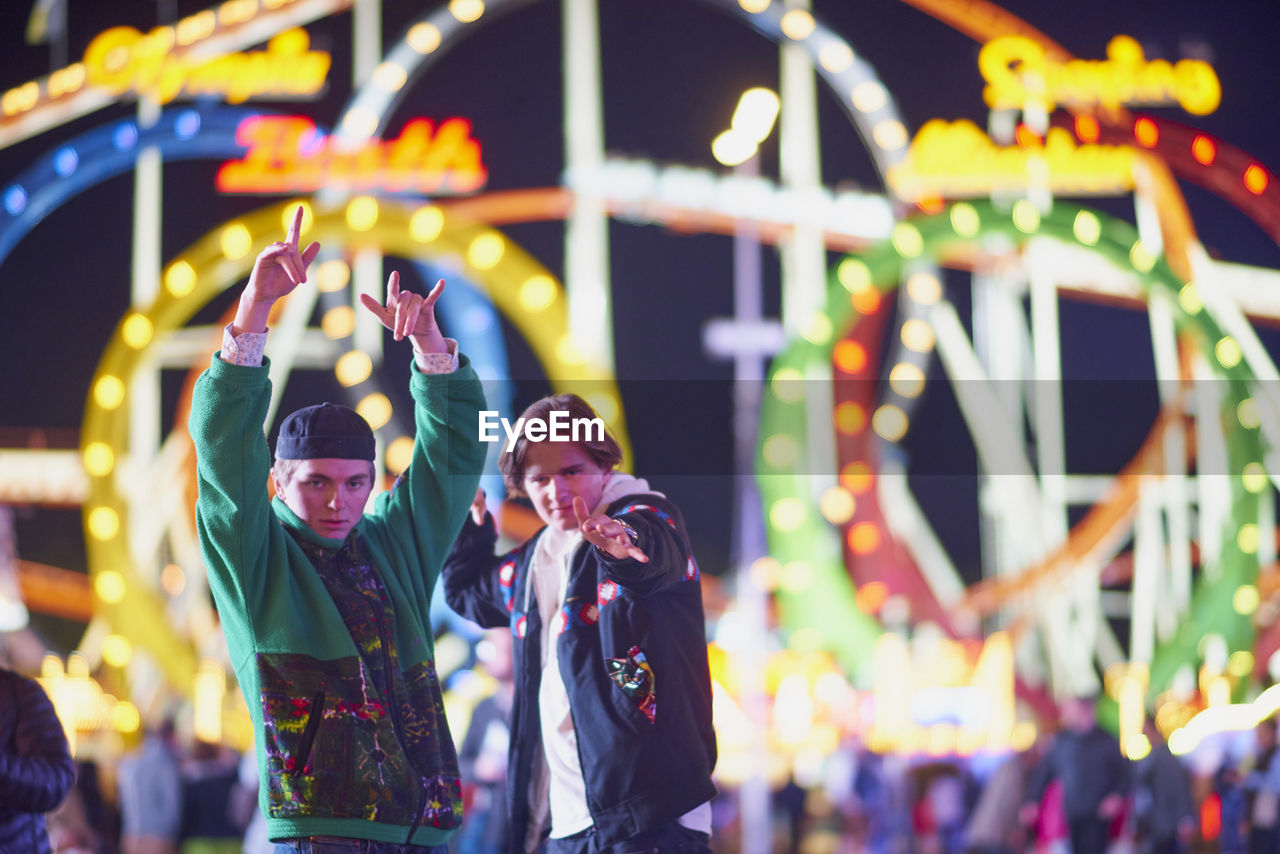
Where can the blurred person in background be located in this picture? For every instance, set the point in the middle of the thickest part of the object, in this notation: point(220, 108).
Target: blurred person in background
point(149, 786)
point(36, 771)
point(1086, 761)
point(482, 755)
point(1163, 811)
point(1262, 791)
point(209, 777)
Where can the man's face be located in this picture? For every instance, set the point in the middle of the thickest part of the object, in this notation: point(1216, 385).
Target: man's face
point(328, 494)
point(557, 472)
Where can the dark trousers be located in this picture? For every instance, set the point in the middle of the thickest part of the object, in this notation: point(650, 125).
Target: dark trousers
point(1089, 835)
point(671, 838)
point(345, 845)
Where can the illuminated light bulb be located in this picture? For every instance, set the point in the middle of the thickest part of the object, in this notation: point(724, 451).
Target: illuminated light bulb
point(787, 514)
point(125, 718)
point(837, 505)
point(338, 322)
point(1245, 600)
point(332, 275)
point(362, 213)
point(849, 356)
point(399, 454)
point(732, 147)
point(423, 38)
point(108, 391)
point(864, 538)
point(1146, 132)
point(1248, 538)
point(569, 352)
point(856, 477)
point(1227, 350)
point(1026, 216)
point(390, 76)
point(871, 596)
point(103, 523)
point(868, 96)
point(907, 379)
point(136, 331)
point(353, 367)
point(1137, 746)
point(889, 422)
point(890, 134)
point(1247, 414)
point(180, 279)
point(486, 250)
point(426, 224)
point(917, 335)
point(780, 451)
point(1254, 477)
point(836, 56)
point(1241, 663)
point(764, 573)
point(787, 384)
point(235, 241)
point(1189, 299)
point(1203, 149)
point(865, 301)
point(359, 123)
point(756, 113)
point(853, 275)
point(907, 240)
point(1255, 179)
point(795, 577)
point(1087, 129)
point(466, 11)
point(1086, 228)
point(116, 650)
point(173, 580)
point(755, 7)
point(797, 24)
point(98, 459)
point(818, 330)
point(965, 220)
point(924, 288)
point(376, 409)
point(1141, 258)
point(109, 586)
point(537, 293)
point(850, 418)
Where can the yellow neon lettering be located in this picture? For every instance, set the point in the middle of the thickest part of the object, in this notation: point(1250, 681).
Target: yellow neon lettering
point(1020, 75)
point(957, 159)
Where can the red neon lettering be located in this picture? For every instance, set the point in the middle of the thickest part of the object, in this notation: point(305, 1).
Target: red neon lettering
point(287, 154)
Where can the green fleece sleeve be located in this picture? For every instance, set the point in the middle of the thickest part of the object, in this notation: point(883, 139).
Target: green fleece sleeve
point(420, 518)
point(233, 512)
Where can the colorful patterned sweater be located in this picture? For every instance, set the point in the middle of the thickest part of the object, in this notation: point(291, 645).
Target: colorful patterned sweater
point(331, 640)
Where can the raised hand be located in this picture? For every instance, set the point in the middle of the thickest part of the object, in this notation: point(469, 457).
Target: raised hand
point(606, 533)
point(279, 269)
point(477, 507)
point(407, 313)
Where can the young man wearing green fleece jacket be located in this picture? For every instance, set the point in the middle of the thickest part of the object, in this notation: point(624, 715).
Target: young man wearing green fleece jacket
point(326, 607)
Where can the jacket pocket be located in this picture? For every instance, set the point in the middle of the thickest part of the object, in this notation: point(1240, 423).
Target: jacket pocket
point(634, 677)
point(308, 738)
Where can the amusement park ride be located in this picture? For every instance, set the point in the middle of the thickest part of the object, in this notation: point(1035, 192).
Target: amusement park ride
point(1176, 547)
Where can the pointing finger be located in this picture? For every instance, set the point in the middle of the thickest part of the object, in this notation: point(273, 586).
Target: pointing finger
point(580, 510)
point(295, 228)
point(434, 293)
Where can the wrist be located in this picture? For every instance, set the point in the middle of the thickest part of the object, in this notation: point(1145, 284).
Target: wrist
point(433, 343)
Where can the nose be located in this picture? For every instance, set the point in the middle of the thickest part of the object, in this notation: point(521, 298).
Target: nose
point(334, 499)
point(559, 488)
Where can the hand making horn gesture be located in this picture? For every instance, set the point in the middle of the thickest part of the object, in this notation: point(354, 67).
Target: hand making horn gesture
point(279, 269)
point(407, 313)
point(606, 533)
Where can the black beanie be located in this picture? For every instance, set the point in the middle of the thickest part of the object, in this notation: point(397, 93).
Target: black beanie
point(328, 430)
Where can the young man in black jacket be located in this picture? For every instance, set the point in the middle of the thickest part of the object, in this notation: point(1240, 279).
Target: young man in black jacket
point(612, 746)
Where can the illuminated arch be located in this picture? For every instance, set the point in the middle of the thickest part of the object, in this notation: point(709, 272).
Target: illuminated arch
point(518, 286)
point(797, 529)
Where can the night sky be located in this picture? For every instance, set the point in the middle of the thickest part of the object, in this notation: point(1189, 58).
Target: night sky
point(672, 72)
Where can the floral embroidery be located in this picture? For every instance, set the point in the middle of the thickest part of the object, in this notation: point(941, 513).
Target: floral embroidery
point(634, 676)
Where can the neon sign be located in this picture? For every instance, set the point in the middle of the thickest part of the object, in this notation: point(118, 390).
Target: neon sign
point(287, 154)
point(1018, 74)
point(955, 159)
point(123, 59)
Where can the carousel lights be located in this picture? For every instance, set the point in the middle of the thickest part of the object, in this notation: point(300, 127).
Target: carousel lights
point(797, 24)
point(338, 322)
point(466, 11)
point(426, 223)
point(537, 293)
point(399, 453)
point(376, 409)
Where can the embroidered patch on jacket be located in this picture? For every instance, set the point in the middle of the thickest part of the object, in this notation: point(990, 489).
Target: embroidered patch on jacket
point(664, 516)
point(691, 572)
point(607, 592)
point(507, 581)
point(519, 624)
point(634, 676)
point(575, 613)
